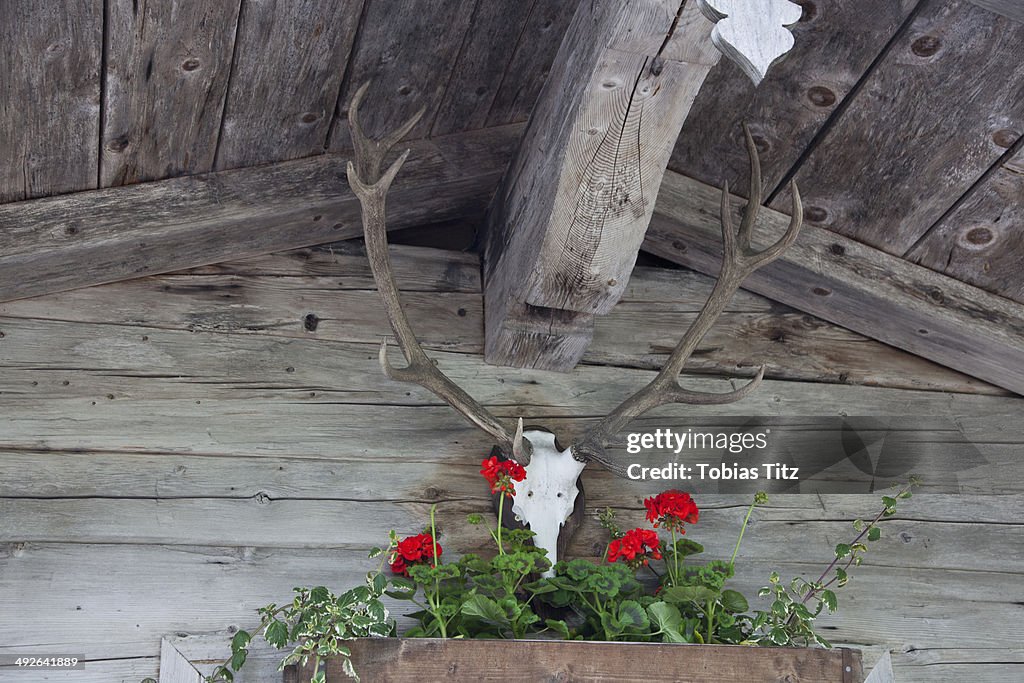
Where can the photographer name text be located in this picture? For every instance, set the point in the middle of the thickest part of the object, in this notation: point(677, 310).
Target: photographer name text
point(709, 472)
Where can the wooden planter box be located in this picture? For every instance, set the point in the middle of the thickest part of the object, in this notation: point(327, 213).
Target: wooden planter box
point(473, 661)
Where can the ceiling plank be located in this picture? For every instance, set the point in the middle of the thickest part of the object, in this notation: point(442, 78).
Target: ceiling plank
point(853, 285)
point(982, 239)
point(1013, 9)
point(289, 62)
point(166, 78)
point(921, 130)
point(50, 97)
point(89, 238)
point(797, 98)
point(566, 224)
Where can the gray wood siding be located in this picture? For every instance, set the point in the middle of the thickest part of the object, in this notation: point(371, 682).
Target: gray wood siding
point(179, 450)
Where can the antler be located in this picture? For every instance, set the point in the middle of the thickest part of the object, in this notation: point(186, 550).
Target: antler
point(371, 188)
point(739, 260)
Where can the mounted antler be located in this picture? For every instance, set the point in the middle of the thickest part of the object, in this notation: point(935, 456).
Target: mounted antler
point(739, 259)
point(371, 188)
point(550, 498)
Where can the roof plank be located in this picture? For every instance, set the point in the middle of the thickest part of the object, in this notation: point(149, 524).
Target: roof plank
point(50, 111)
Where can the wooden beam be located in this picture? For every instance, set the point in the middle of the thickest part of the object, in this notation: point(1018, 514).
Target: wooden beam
point(89, 238)
point(566, 225)
point(854, 285)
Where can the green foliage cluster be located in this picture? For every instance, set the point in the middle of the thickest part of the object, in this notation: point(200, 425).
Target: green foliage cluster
point(687, 601)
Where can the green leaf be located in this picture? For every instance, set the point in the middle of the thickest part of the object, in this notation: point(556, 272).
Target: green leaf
point(888, 501)
point(348, 669)
point(375, 552)
point(632, 615)
point(874, 534)
point(842, 577)
point(484, 608)
point(829, 598)
point(842, 550)
point(238, 659)
point(679, 594)
point(240, 640)
point(667, 618)
point(277, 634)
point(379, 582)
point(734, 601)
point(559, 627)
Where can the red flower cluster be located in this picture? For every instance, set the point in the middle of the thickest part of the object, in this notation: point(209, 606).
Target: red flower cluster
point(636, 547)
point(413, 550)
point(671, 509)
point(500, 475)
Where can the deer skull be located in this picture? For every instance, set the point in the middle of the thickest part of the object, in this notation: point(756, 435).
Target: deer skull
point(547, 497)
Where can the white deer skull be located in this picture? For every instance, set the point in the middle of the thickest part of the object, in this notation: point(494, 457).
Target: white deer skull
point(547, 497)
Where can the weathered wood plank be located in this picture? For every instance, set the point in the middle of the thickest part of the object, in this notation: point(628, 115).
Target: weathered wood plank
point(298, 523)
point(487, 49)
point(855, 286)
point(563, 236)
point(798, 96)
point(407, 48)
point(50, 110)
point(412, 660)
point(223, 587)
point(980, 242)
point(128, 670)
point(531, 60)
point(288, 69)
point(267, 296)
point(155, 227)
point(166, 78)
point(945, 88)
point(1008, 8)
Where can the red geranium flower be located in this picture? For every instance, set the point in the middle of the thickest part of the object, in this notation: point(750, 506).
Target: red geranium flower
point(671, 509)
point(636, 547)
point(501, 474)
point(413, 550)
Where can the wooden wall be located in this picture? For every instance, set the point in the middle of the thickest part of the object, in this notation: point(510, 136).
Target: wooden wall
point(180, 449)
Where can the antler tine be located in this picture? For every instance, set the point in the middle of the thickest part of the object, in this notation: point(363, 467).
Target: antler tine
point(754, 200)
point(739, 260)
point(370, 153)
point(371, 188)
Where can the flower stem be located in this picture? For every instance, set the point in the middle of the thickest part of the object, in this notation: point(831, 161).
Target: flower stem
point(750, 510)
point(501, 508)
point(674, 570)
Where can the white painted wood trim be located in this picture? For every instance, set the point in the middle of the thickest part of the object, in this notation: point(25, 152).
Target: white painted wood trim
point(752, 33)
point(175, 667)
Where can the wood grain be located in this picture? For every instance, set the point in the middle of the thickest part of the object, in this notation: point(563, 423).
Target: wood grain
point(981, 240)
point(326, 295)
point(1008, 8)
point(288, 68)
point(166, 77)
point(407, 661)
point(156, 227)
point(562, 237)
point(50, 108)
point(488, 47)
point(944, 88)
point(407, 48)
point(798, 96)
point(855, 286)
